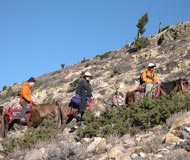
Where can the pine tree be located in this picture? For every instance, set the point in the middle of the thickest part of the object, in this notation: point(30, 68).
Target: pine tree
point(141, 25)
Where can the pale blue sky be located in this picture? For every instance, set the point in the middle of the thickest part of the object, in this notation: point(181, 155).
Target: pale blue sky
point(37, 36)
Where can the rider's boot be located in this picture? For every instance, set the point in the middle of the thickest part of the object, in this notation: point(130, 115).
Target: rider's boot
point(22, 120)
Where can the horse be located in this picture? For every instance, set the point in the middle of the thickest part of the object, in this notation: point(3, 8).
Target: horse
point(178, 85)
point(70, 111)
point(164, 88)
point(117, 99)
point(34, 116)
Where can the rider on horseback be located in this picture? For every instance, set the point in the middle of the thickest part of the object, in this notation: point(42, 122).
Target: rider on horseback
point(25, 97)
point(149, 79)
point(84, 90)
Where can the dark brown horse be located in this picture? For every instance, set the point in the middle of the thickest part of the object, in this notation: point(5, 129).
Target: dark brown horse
point(164, 88)
point(34, 116)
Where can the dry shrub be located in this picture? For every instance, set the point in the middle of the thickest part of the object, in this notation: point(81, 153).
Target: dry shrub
point(176, 116)
point(178, 154)
point(152, 144)
point(65, 150)
point(113, 139)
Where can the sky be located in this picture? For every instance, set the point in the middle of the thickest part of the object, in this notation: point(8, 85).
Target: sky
point(37, 36)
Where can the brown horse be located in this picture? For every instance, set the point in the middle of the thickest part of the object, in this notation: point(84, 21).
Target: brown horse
point(34, 116)
point(164, 88)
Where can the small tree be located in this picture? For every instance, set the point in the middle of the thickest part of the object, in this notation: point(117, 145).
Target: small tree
point(4, 88)
point(140, 41)
point(62, 66)
point(159, 30)
point(141, 25)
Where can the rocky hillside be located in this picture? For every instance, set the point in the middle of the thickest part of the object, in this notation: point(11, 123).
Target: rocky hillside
point(116, 70)
point(120, 69)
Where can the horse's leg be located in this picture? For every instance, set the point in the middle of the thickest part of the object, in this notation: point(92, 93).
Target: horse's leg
point(5, 126)
point(59, 117)
point(34, 119)
point(130, 97)
point(127, 98)
point(66, 115)
point(69, 119)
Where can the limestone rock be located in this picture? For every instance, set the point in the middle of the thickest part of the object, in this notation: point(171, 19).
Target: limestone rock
point(171, 138)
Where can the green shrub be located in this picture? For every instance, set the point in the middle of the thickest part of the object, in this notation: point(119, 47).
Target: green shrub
point(163, 29)
point(84, 60)
point(142, 115)
point(62, 66)
point(105, 55)
point(127, 46)
point(47, 131)
point(142, 43)
point(4, 88)
point(11, 92)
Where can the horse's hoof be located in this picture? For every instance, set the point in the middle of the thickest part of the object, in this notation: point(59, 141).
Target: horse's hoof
point(73, 129)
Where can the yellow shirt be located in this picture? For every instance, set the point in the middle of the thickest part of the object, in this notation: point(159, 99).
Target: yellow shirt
point(149, 76)
point(25, 94)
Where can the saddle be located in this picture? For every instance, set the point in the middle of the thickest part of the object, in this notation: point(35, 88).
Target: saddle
point(73, 109)
point(15, 110)
point(139, 93)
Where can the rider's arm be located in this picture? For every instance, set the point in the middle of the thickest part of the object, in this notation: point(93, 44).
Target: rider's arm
point(155, 78)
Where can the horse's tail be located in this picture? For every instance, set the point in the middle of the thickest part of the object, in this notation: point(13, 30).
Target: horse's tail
point(126, 98)
point(59, 114)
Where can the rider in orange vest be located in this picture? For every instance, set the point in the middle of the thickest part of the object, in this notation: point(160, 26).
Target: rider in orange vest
point(25, 97)
point(149, 78)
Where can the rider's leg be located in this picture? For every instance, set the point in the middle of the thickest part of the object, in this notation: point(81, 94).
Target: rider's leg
point(82, 109)
point(24, 106)
point(148, 90)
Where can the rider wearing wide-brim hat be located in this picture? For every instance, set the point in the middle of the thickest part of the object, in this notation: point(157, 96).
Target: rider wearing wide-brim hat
point(84, 90)
point(149, 78)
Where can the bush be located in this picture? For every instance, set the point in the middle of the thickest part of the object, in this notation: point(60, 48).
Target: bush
point(4, 88)
point(46, 132)
point(142, 43)
point(84, 60)
point(142, 115)
point(163, 29)
point(105, 55)
point(62, 66)
point(11, 92)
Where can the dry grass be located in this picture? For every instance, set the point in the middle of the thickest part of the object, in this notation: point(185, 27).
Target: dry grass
point(178, 154)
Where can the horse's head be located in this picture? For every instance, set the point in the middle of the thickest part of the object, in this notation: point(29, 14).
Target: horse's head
point(184, 85)
point(118, 99)
point(178, 85)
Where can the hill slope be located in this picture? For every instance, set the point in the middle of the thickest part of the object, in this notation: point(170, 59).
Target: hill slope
point(120, 69)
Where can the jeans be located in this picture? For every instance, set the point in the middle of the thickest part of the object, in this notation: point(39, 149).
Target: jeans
point(24, 105)
point(148, 89)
